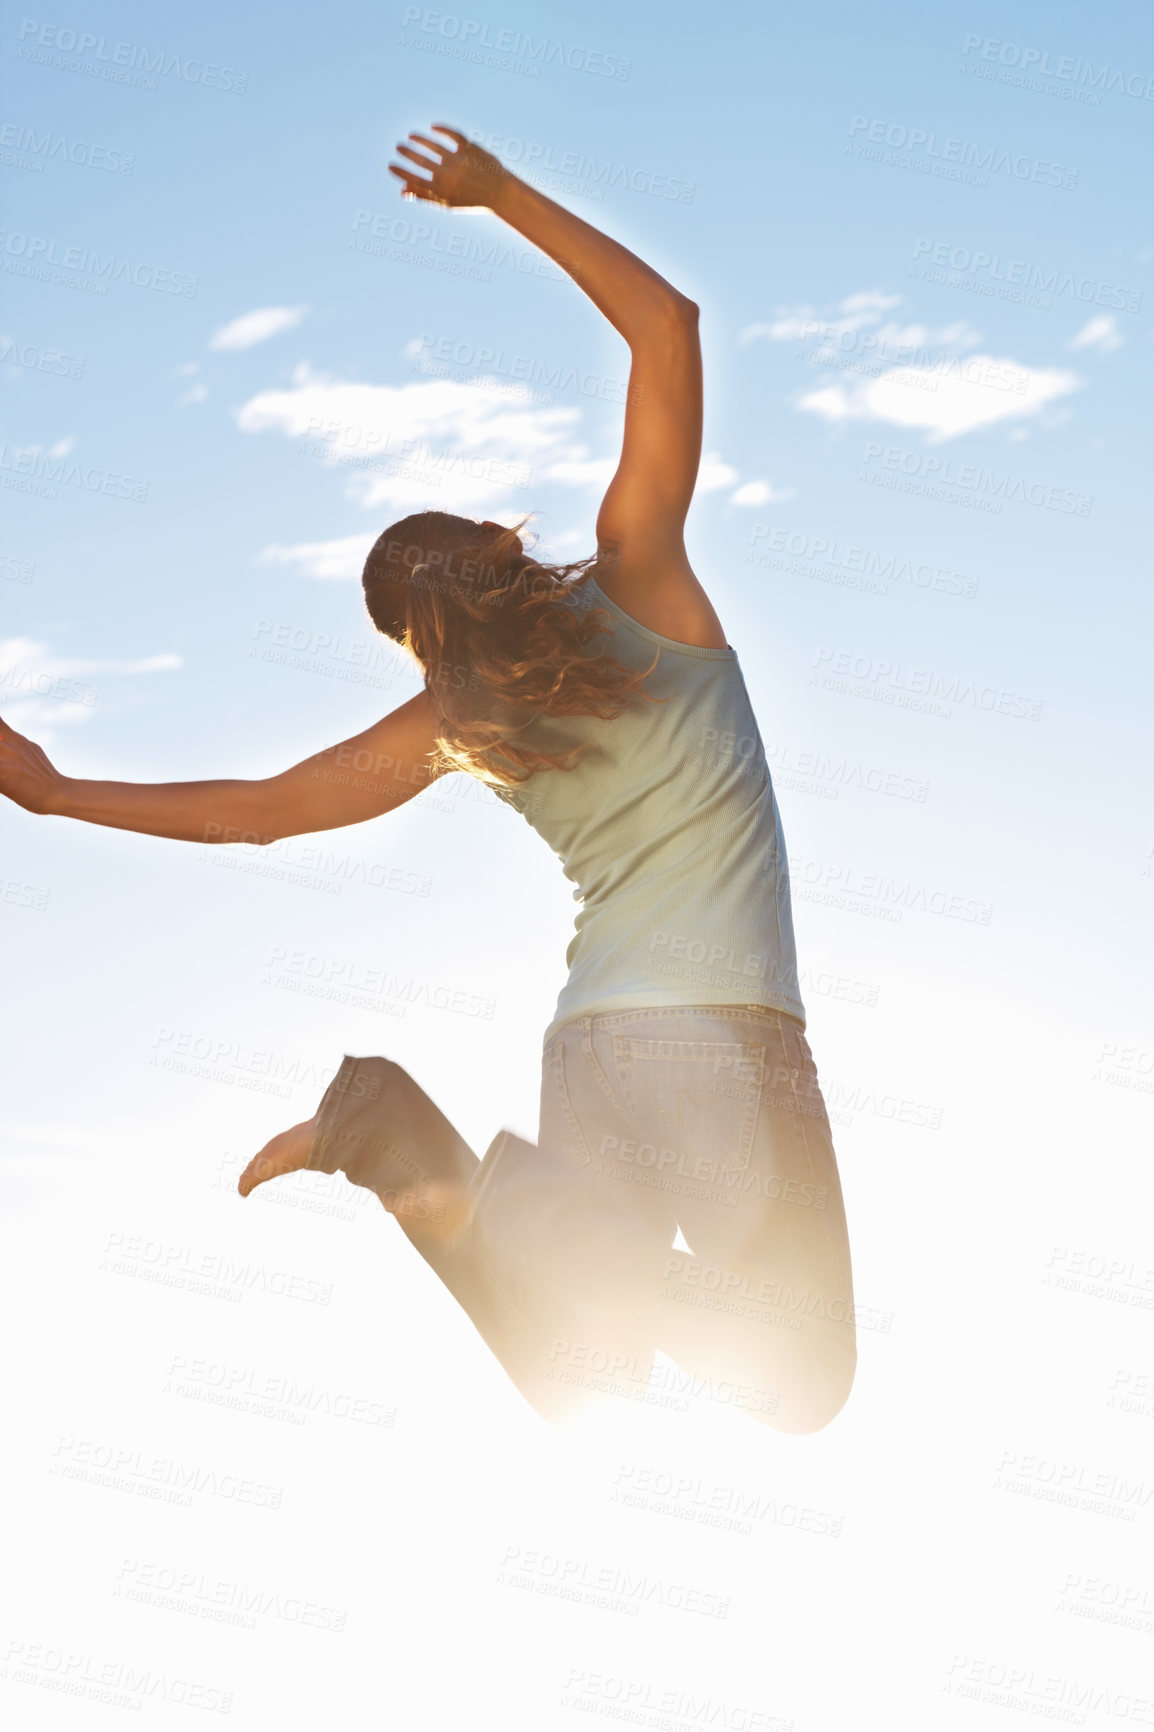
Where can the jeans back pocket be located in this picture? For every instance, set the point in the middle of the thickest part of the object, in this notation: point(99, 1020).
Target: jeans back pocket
point(694, 1102)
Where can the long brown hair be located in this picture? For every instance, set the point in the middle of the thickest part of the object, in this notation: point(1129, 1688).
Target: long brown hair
point(487, 623)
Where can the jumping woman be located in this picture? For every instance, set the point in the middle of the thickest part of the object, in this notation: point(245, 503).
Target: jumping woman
point(679, 1095)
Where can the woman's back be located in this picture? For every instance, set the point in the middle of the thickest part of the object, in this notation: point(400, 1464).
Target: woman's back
point(669, 830)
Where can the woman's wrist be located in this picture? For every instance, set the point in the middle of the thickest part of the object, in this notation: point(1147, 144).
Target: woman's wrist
point(57, 797)
point(504, 189)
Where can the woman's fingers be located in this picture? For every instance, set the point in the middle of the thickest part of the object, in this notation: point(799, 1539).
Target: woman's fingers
point(462, 177)
point(415, 156)
point(413, 184)
point(433, 144)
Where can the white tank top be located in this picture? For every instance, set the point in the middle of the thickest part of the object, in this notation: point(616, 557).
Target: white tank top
point(669, 830)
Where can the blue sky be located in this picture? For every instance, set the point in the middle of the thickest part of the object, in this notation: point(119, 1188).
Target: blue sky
point(231, 356)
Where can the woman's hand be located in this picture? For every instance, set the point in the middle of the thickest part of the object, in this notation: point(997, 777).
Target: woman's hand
point(465, 178)
point(26, 776)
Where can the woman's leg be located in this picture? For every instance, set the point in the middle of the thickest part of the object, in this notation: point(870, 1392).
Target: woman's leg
point(710, 1118)
point(725, 1127)
point(379, 1127)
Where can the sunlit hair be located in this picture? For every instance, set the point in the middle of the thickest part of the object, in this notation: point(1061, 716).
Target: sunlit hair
point(498, 645)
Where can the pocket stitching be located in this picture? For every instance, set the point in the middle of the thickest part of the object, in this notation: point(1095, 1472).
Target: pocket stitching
point(627, 1048)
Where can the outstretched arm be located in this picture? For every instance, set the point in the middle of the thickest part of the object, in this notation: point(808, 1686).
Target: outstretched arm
point(641, 522)
point(629, 292)
point(371, 773)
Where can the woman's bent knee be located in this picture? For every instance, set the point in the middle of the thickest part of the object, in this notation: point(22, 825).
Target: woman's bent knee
point(815, 1400)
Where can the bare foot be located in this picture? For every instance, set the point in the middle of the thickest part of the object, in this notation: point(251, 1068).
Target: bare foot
point(287, 1152)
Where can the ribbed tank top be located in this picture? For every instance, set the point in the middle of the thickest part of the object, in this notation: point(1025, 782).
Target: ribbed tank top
point(669, 829)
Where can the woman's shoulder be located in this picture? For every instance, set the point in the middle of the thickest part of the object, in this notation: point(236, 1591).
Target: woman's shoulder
point(669, 620)
point(667, 599)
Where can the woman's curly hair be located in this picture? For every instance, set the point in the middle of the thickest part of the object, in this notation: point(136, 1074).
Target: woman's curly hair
point(498, 648)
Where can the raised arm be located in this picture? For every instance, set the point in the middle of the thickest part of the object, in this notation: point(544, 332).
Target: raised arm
point(640, 526)
point(362, 777)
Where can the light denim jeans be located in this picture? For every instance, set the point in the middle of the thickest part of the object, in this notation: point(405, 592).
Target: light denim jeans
point(708, 1120)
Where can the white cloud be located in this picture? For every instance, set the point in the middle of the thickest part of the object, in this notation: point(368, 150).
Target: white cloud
point(29, 652)
point(761, 493)
point(1099, 333)
point(343, 558)
point(859, 332)
point(63, 447)
point(803, 322)
point(915, 375)
point(944, 401)
point(39, 690)
point(872, 300)
point(441, 445)
point(583, 471)
point(561, 542)
point(713, 473)
point(256, 327)
point(195, 394)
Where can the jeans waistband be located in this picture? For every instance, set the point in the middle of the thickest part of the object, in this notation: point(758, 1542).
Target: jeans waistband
point(684, 1013)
